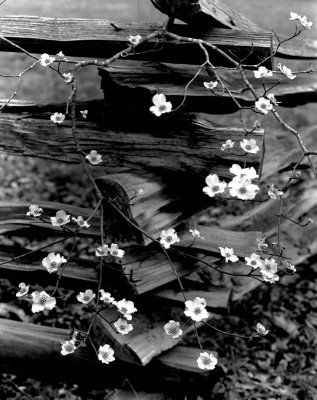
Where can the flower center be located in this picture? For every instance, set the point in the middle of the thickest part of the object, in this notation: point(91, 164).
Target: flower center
point(69, 347)
point(197, 310)
point(253, 262)
point(227, 255)
point(248, 147)
point(114, 252)
point(53, 264)
point(242, 190)
point(168, 238)
point(104, 354)
point(162, 107)
point(123, 310)
point(173, 330)
point(86, 297)
point(215, 188)
point(43, 300)
point(60, 220)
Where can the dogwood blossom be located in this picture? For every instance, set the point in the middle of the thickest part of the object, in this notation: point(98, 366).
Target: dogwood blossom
point(135, 40)
point(269, 268)
point(301, 20)
point(106, 297)
point(172, 328)
point(105, 354)
point(227, 145)
point(42, 301)
point(60, 54)
point(24, 289)
point(261, 243)
point(243, 190)
point(207, 361)
point(286, 71)
point(86, 297)
point(94, 158)
point(243, 173)
point(126, 308)
point(262, 72)
point(196, 309)
point(228, 254)
point(196, 234)
point(215, 186)
point(140, 192)
point(102, 251)
point(46, 60)
point(264, 105)
point(53, 261)
point(34, 211)
point(84, 113)
point(68, 347)
point(257, 124)
point(169, 237)
point(261, 329)
point(249, 146)
point(211, 85)
point(289, 267)
point(115, 251)
point(57, 118)
point(68, 77)
point(81, 222)
point(274, 192)
point(254, 261)
point(61, 218)
point(270, 279)
point(122, 326)
point(272, 99)
point(161, 106)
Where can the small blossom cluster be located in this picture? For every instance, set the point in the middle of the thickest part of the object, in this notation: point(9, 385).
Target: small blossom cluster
point(301, 20)
point(249, 146)
point(240, 186)
point(113, 249)
point(267, 267)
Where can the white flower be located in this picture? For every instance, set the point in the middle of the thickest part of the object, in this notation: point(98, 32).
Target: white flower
point(161, 106)
point(196, 234)
point(86, 296)
point(206, 361)
point(68, 77)
point(211, 85)
point(228, 254)
point(61, 218)
point(261, 329)
point(53, 261)
point(249, 146)
point(215, 186)
point(172, 328)
point(243, 173)
point(168, 237)
point(94, 158)
point(269, 268)
point(264, 105)
point(227, 145)
point(46, 60)
point(196, 309)
point(122, 326)
point(102, 251)
point(106, 297)
point(274, 192)
point(243, 190)
point(301, 19)
point(254, 261)
point(272, 99)
point(286, 71)
point(290, 267)
point(68, 347)
point(34, 211)
point(84, 113)
point(115, 251)
point(81, 222)
point(135, 40)
point(262, 72)
point(57, 118)
point(42, 301)
point(60, 54)
point(24, 289)
point(140, 192)
point(126, 308)
point(105, 354)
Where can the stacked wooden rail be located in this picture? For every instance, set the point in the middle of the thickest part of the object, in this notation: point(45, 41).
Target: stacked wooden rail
point(168, 158)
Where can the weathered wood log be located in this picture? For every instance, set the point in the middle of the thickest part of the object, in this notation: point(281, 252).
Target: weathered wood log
point(29, 346)
point(214, 13)
point(157, 144)
point(171, 79)
point(103, 38)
